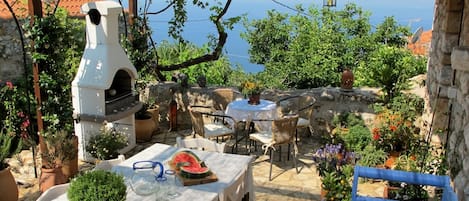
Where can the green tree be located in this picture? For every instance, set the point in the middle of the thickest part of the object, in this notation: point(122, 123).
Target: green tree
point(391, 67)
point(309, 49)
point(216, 72)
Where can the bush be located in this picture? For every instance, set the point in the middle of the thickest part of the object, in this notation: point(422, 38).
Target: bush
point(357, 138)
point(371, 156)
point(106, 144)
point(97, 185)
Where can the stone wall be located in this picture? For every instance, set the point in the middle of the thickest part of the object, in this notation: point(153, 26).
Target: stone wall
point(329, 101)
point(11, 53)
point(448, 86)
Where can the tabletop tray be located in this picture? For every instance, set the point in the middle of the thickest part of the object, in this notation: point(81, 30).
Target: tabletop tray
point(189, 182)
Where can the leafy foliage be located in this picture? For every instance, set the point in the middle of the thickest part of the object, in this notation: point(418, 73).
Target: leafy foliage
point(97, 185)
point(9, 145)
point(106, 144)
point(337, 184)
point(58, 46)
point(58, 148)
point(216, 72)
point(391, 67)
point(371, 156)
point(310, 49)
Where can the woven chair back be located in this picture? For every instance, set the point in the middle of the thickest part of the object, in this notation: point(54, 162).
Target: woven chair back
point(283, 130)
point(197, 121)
point(221, 98)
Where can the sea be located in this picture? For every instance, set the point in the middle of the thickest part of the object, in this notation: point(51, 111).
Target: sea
point(411, 13)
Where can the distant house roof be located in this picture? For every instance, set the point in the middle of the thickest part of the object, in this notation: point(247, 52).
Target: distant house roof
point(20, 7)
point(422, 46)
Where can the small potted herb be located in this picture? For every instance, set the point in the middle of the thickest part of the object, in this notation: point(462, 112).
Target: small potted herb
point(97, 185)
point(105, 144)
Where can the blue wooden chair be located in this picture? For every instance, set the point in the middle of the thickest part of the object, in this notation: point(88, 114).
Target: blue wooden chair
point(401, 176)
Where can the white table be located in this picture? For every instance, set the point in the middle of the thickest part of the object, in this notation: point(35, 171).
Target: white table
point(234, 174)
point(227, 167)
point(241, 110)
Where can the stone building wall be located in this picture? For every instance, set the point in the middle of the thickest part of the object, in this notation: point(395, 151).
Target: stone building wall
point(11, 53)
point(448, 87)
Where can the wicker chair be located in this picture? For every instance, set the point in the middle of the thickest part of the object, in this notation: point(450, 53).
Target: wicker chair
point(203, 124)
point(200, 144)
point(222, 97)
point(282, 132)
point(301, 105)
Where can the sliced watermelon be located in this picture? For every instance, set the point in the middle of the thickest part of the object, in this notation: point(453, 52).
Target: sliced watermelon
point(193, 172)
point(184, 158)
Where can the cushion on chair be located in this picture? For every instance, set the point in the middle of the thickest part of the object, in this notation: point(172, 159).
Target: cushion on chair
point(265, 137)
point(302, 122)
point(214, 130)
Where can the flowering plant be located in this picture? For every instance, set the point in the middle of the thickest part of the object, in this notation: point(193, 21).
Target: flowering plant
point(332, 158)
point(106, 144)
point(14, 119)
point(392, 132)
point(249, 88)
point(14, 122)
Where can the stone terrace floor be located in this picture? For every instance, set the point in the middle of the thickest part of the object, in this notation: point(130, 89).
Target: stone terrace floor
point(286, 185)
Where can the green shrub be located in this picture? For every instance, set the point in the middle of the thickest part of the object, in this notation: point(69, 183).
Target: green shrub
point(97, 185)
point(357, 138)
point(371, 156)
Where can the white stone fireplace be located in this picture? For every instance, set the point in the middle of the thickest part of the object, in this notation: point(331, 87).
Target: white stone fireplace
point(103, 89)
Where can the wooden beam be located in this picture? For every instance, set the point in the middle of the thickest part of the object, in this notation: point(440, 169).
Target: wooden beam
point(133, 7)
point(35, 10)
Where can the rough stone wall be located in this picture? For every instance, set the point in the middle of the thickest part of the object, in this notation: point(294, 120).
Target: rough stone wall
point(11, 53)
point(448, 86)
point(329, 101)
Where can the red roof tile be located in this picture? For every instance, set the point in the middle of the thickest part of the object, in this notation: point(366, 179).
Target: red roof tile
point(20, 7)
point(422, 46)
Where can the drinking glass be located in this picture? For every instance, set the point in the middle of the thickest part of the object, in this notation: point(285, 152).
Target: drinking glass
point(171, 184)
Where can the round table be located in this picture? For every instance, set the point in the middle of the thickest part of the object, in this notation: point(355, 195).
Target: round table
point(241, 110)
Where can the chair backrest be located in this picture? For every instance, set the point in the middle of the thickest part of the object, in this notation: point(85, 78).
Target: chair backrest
point(283, 130)
point(223, 96)
point(197, 121)
point(200, 144)
point(298, 104)
point(401, 176)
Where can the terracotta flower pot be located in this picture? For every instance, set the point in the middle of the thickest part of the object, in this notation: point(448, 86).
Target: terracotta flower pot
point(51, 177)
point(254, 99)
point(8, 190)
point(70, 167)
point(144, 129)
point(347, 79)
point(155, 113)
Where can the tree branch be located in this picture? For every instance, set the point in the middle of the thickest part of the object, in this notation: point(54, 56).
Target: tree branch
point(160, 11)
point(214, 55)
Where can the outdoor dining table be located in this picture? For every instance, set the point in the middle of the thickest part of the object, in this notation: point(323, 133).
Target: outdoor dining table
point(241, 110)
point(234, 174)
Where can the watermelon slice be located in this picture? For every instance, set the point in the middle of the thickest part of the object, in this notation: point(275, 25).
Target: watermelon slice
point(184, 158)
point(195, 172)
point(189, 165)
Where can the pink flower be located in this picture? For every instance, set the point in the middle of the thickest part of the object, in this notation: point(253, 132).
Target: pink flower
point(9, 84)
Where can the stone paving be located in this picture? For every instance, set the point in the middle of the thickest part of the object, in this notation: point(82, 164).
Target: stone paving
point(286, 185)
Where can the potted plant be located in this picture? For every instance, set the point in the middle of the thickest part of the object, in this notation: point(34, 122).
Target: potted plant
point(105, 144)
point(154, 109)
point(58, 148)
point(252, 90)
point(371, 156)
point(334, 165)
point(144, 124)
point(97, 185)
point(8, 146)
point(336, 184)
